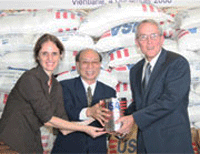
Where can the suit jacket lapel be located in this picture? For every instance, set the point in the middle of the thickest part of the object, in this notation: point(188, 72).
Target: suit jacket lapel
point(98, 93)
point(156, 70)
point(139, 84)
point(82, 95)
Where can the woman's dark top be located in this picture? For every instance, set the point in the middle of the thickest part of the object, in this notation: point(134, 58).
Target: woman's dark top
point(28, 107)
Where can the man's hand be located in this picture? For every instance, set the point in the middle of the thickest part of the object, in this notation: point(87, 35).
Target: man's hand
point(127, 124)
point(99, 113)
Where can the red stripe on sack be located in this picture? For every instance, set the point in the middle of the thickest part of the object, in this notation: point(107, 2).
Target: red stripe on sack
point(60, 30)
point(122, 105)
point(123, 68)
point(65, 15)
point(183, 34)
point(112, 146)
point(126, 52)
point(72, 16)
point(125, 86)
point(67, 29)
point(159, 10)
point(57, 15)
point(194, 144)
point(112, 141)
point(106, 34)
point(75, 53)
point(172, 15)
point(118, 87)
point(123, 108)
point(73, 67)
point(113, 151)
point(144, 7)
point(162, 23)
point(5, 98)
point(165, 33)
point(119, 55)
point(151, 8)
point(111, 56)
point(63, 73)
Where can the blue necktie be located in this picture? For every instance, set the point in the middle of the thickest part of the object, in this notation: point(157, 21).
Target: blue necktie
point(147, 74)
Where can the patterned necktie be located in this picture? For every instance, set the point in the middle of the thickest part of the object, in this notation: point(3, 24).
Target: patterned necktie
point(89, 96)
point(147, 74)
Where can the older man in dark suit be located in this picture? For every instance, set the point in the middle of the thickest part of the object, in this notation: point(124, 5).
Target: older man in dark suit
point(160, 85)
point(80, 106)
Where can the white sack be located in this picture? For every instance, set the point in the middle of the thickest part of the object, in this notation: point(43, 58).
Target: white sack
point(188, 45)
point(41, 21)
point(15, 42)
point(121, 73)
point(194, 113)
point(107, 16)
point(18, 60)
point(196, 87)
point(67, 63)
point(71, 40)
point(194, 98)
point(119, 36)
point(188, 18)
point(8, 78)
point(195, 71)
point(123, 56)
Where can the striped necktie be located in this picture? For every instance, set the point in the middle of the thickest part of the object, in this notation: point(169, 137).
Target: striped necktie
point(89, 96)
point(147, 74)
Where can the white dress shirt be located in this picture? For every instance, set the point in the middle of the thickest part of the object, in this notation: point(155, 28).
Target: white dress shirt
point(152, 63)
point(82, 115)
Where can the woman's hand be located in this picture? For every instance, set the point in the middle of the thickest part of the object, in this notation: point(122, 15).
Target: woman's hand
point(94, 131)
point(85, 122)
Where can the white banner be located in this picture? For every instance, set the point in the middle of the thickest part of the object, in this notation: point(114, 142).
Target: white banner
point(87, 4)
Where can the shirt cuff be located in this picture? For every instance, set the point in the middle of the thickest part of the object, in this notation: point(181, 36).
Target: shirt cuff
point(82, 115)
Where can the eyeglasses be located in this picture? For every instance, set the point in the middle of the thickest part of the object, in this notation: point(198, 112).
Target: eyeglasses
point(144, 37)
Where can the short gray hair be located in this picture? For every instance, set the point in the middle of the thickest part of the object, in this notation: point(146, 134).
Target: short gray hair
point(148, 21)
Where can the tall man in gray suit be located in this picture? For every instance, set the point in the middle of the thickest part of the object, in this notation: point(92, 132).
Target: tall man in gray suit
point(160, 85)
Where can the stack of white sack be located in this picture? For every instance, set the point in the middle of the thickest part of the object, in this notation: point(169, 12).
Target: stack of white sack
point(110, 29)
point(40, 21)
point(18, 35)
point(72, 41)
point(124, 35)
point(189, 44)
point(102, 19)
point(188, 36)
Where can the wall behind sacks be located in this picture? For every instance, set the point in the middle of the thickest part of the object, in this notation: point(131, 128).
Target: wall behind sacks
point(115, 42)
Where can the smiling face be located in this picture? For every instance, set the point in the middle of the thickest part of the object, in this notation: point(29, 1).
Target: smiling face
point(49, 57)
point(88, 66)
point(149, 40)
